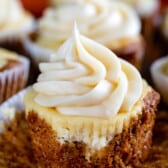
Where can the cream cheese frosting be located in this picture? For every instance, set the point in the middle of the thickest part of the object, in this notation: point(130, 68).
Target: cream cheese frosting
point(6, 55)
point(86, 79)
point(144, 7)
point(104, 21)
point(13, 18)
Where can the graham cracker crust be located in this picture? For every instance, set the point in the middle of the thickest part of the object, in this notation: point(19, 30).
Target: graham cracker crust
point(130, 148)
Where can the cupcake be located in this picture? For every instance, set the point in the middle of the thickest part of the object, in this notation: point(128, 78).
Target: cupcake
point(159, 72)
point(13, 73)
point(15, 23)
point(113, 24)
point(90, 108)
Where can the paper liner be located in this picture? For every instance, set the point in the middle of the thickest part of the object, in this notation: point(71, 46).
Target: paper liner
point(9, 108)
point(159, 78)
point(36, 52)
point(14, 79)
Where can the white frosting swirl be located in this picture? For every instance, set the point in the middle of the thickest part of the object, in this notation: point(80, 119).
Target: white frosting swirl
point(13, 19)
point(85, 78)
point(144, 7)
point(104, 21)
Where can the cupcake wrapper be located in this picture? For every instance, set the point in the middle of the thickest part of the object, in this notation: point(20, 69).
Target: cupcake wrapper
point(37, 53)
point(160, 80)
point(14, 105)
point(13, 80)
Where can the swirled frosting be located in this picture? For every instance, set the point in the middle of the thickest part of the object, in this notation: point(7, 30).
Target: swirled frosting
point(13, 19)
point(144, 7)
point(104, 21)
point(85, 78)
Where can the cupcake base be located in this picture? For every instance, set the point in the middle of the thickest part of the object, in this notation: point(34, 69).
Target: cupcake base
point(129, 148)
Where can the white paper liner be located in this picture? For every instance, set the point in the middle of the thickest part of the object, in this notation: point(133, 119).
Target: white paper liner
point(159, 78)
point(9, 108)
point(14, 79)
point(38, 53)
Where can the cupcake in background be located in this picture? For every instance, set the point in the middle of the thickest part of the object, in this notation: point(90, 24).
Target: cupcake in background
point(90, 108)
point(159, 72)
point(113, 24)
point(15, 24)
point(14, 71)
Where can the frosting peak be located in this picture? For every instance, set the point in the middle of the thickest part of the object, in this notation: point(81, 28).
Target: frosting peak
point(85, 78)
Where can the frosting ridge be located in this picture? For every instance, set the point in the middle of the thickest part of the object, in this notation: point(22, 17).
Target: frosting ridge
point(6, 55)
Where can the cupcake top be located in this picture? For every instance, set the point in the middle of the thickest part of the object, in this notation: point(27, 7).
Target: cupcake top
point(144, 7)
point(165, 25)
point(84, 78)
point(13, 19)
point(5, 56)
point(111, 23)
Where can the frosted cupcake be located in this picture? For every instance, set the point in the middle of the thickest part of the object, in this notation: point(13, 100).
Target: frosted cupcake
point(15, 23)
point(14, 71)
point(90, 108)
point(113, 24)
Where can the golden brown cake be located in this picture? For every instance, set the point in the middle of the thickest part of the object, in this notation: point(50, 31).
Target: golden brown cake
point(113, 24)
point(15, 146)
point(14, 71)
point(90, 108)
